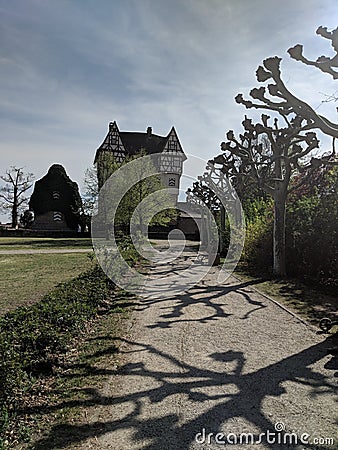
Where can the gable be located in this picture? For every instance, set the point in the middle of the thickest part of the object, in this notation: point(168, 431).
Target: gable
point(113, 143)
point(173, 145)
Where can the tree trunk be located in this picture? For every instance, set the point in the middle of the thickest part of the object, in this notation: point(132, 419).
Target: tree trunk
point(279, 262)
point(203, 237)
point(222, 230)
point(15, 208)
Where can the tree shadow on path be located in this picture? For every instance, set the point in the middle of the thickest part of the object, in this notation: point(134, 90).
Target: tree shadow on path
point(212, 298)
point(166, 432)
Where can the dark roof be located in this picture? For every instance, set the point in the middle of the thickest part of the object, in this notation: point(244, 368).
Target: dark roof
point(133, 142)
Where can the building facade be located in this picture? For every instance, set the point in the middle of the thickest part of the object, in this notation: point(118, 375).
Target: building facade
point(119, 145)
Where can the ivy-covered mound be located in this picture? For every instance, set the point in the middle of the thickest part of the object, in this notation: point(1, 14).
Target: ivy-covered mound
point(57, 192)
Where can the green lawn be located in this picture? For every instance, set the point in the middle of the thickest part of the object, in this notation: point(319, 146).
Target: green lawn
point(24, 279)
point(9, 243)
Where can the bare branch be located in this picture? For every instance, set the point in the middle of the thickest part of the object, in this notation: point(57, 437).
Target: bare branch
point(323, 63)
point(290, 104)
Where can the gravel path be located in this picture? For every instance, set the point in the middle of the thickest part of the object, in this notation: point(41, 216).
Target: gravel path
point(224, 359)
point(48, 251)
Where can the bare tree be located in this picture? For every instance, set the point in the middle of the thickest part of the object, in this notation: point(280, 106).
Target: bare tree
point(91, 191)
point(202, 191)
point(12, 194)
point(271, 165)
point(290, 144)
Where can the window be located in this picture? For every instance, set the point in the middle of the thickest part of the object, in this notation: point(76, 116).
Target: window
point(172, 145)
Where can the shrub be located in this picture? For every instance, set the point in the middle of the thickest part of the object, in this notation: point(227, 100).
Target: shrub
point(311, 230)
point(311, 236)
point(257, 252)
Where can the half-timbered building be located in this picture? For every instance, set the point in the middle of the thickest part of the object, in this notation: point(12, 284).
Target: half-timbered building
point(118, 145)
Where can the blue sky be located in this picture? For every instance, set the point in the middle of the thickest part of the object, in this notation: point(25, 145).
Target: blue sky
point(70, 67)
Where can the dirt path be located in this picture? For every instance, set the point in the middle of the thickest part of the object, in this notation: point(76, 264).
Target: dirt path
point(48, 251)
point(223, 359)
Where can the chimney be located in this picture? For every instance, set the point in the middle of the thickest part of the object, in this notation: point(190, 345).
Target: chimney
point(111, 125)
point(149, 131)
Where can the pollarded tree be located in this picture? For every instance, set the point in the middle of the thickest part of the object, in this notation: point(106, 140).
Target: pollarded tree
point(205, 194)
point(272, 166)
point(203, 197)
point(215, 192)
point(291, 143)
point(12, 194)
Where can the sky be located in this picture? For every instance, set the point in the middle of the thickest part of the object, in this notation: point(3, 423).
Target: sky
point(68, 68)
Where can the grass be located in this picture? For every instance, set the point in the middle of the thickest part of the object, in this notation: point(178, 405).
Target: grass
point(312, 303)
point(47, 355)
point(28, 243)
point(70, 392)
point(25, 279)
point(34, 339)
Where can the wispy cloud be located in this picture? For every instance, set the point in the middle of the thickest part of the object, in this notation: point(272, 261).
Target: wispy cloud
point(68, 68)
